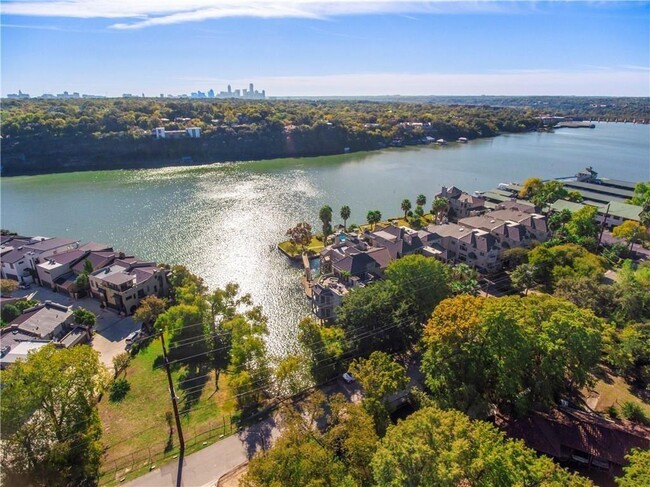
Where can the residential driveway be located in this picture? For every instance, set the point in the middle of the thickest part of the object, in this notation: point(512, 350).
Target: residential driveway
point(111, 329)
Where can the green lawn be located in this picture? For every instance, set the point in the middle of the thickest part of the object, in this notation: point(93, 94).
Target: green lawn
point(314, 246)
point(611, 389)
point(135, 429)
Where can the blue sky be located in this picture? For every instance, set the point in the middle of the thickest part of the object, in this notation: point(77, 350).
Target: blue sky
point(335, 47)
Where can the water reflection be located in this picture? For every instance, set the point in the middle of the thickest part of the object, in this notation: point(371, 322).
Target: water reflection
point(222, 220)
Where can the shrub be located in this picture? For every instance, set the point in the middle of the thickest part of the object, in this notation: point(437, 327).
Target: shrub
point(10, 313)
point(633, 412)
point(119, 389)
point(612, 412)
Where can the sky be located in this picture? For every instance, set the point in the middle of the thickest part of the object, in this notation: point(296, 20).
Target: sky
point(325, 47)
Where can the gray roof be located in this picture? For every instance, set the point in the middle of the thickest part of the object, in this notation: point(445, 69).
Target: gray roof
point(43, 319)
point(50, 244)
point(96, 247)
point(599, 188)
point(14, 256)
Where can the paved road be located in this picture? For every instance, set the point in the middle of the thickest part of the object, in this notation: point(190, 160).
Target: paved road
point(205, 467)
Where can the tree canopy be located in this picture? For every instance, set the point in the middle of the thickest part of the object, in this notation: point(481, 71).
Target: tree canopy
point(446, 449)
point(50, 427)
point(511, 352)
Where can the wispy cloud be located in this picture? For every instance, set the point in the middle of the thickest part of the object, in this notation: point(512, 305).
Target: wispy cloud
point(147, 13)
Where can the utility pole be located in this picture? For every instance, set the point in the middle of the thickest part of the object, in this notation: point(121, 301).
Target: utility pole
point(181, 440)
point(602, 227)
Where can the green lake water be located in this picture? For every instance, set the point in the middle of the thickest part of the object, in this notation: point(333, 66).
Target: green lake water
point(223, 220)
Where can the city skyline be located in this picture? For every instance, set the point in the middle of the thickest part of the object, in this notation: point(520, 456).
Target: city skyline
point(340, 48)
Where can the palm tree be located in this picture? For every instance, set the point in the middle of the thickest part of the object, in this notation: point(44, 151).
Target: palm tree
point(373, 217)
point(406, 206)
point(345, 214)
point(325, 215)
point(438, 207)
point(421, 200)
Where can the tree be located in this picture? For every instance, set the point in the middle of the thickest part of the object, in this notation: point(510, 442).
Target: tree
point(50, 427)
point(382, 315)
point(463, 279)
point(548, 193)
point(574, 196)
point(380, 377)
point(8, 286)
point(586, 292)
point(641, 194)
point(373, 217)
point(440, 448)
point(345, 214)
point(84, 317)
point(120, 363)
point(530, 188)
point(406, 206)
point(569, 260)
point(557, 220)
point(249, 373)
point(82, 284)
point(637, 472)
point(150, 309)
point(304, 456)
point(225, 304)
point(325, 216)
point(300, 235)
point(324, 345)
point(523, 278)
point(631, 231)
point(582, 228)
point(421, 200)
point(419, 280)
point(10, 313)
point(439, 207)
point(509, 352)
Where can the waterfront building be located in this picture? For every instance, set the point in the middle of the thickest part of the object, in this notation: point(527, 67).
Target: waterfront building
point(191, 132)
point(123, 284)
point(461, 204)
point(20, 255)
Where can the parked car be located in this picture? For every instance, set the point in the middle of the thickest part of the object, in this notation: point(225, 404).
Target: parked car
point(347, 377)
point(133, 337)
point(24, 285)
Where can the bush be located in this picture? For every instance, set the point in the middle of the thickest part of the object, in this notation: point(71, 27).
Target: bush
point(633, 412)
point(119, 389)
point(10, 313)
point(612, 412)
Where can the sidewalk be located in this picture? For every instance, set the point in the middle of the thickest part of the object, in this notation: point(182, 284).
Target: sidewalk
point(205, 467)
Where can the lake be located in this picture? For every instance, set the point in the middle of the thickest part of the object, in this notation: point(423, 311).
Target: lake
point(223, 220)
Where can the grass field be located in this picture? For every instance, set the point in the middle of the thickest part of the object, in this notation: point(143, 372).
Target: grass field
point(611, 390)
point(292, 250)
point(137, 424)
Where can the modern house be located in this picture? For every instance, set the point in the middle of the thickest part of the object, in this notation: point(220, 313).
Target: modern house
point(123, 284)
point(189, 132)
point(20, 263)
point(57, 266)
point(327, 295)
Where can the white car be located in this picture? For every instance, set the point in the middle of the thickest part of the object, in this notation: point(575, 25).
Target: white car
point(133, 337)
point(347, 377)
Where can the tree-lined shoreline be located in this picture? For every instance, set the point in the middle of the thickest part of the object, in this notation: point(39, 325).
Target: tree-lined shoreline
point(52, 136)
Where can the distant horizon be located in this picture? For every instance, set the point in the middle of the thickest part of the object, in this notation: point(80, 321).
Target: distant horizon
point(295, 48)
point(186, 96)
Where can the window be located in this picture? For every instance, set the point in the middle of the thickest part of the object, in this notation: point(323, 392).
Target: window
point(128, 297)
point(141, 293)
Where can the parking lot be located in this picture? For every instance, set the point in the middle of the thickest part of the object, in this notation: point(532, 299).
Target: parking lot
point(111, 329)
